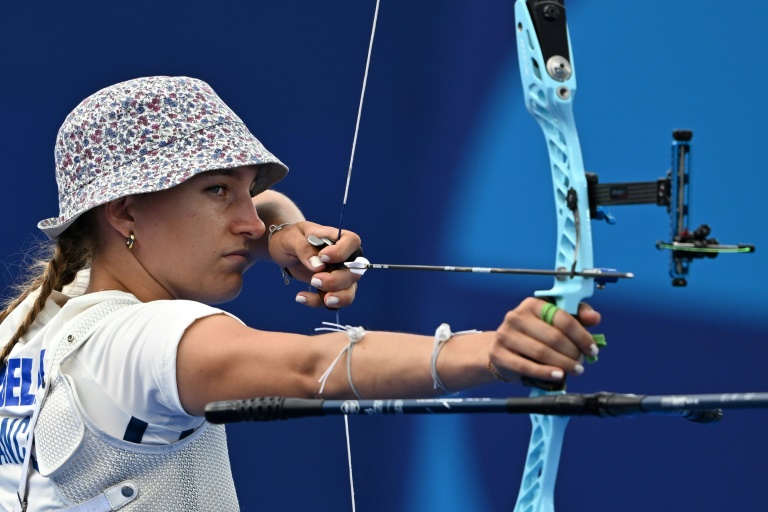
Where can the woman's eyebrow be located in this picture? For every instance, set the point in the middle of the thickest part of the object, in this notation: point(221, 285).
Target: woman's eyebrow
point(232, 173)
point(235, 174)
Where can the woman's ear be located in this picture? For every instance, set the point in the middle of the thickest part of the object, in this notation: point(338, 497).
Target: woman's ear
point(118, 214)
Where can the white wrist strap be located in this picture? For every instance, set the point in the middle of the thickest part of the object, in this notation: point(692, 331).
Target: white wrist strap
point(442, 335)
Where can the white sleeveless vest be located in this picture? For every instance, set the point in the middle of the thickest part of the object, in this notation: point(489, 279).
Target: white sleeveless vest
point(84, 463)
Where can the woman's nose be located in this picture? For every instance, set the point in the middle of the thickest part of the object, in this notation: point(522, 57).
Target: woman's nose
point(249, 223)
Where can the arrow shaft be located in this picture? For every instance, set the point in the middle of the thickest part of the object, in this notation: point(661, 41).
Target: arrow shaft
point(493, 270)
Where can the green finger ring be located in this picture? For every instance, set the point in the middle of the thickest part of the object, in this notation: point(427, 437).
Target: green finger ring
point(548, 312)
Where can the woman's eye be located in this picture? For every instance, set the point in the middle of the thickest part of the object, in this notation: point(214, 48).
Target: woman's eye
point(217, 189)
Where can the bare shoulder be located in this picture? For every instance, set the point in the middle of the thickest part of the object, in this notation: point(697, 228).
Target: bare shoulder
point(215, 326)
point(219, 358)
point(217, 338)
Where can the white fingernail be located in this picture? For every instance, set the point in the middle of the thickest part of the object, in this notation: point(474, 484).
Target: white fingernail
point(331, 300)
point(301, 299)
point(324, 258)
point(578, 369)
point(557, 374)
point(593, 350)
point(315, 262)
point(316, 283)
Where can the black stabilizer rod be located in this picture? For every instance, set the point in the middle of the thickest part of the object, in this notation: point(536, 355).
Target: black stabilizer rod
point(263, 409)
point(696, 408)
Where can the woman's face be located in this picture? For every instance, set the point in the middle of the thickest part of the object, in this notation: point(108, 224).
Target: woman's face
point(192, 239)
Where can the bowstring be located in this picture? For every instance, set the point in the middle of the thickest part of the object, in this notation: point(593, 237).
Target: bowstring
point(341, 219)
point(359, 115)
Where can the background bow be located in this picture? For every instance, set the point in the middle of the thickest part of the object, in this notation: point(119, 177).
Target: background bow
point(448, 170)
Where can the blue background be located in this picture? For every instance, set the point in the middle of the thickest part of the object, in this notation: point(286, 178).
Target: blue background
point(450, 169)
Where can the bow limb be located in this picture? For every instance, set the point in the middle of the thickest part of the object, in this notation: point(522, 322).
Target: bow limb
point(549, 86)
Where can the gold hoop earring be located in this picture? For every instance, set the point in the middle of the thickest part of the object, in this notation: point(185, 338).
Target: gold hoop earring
point(130, 241)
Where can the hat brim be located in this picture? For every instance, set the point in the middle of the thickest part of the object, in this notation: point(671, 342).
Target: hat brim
point(222, 146)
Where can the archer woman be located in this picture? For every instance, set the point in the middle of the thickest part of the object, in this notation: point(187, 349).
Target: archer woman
point(108, 370)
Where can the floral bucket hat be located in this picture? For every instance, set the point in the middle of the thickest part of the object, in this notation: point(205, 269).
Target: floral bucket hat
point(146, 135)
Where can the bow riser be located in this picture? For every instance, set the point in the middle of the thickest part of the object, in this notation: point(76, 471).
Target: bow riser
point(550, 102)
point(549, 86)
point(537, 488)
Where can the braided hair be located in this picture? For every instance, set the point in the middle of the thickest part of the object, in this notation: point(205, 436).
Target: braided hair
point(72, 252)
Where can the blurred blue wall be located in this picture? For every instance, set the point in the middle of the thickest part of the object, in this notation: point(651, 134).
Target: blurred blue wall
point(450, 169)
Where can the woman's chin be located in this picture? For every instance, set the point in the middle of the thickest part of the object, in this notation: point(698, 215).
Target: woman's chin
point(219, 296)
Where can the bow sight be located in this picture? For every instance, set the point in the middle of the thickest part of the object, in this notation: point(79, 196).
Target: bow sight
point(672, 191)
